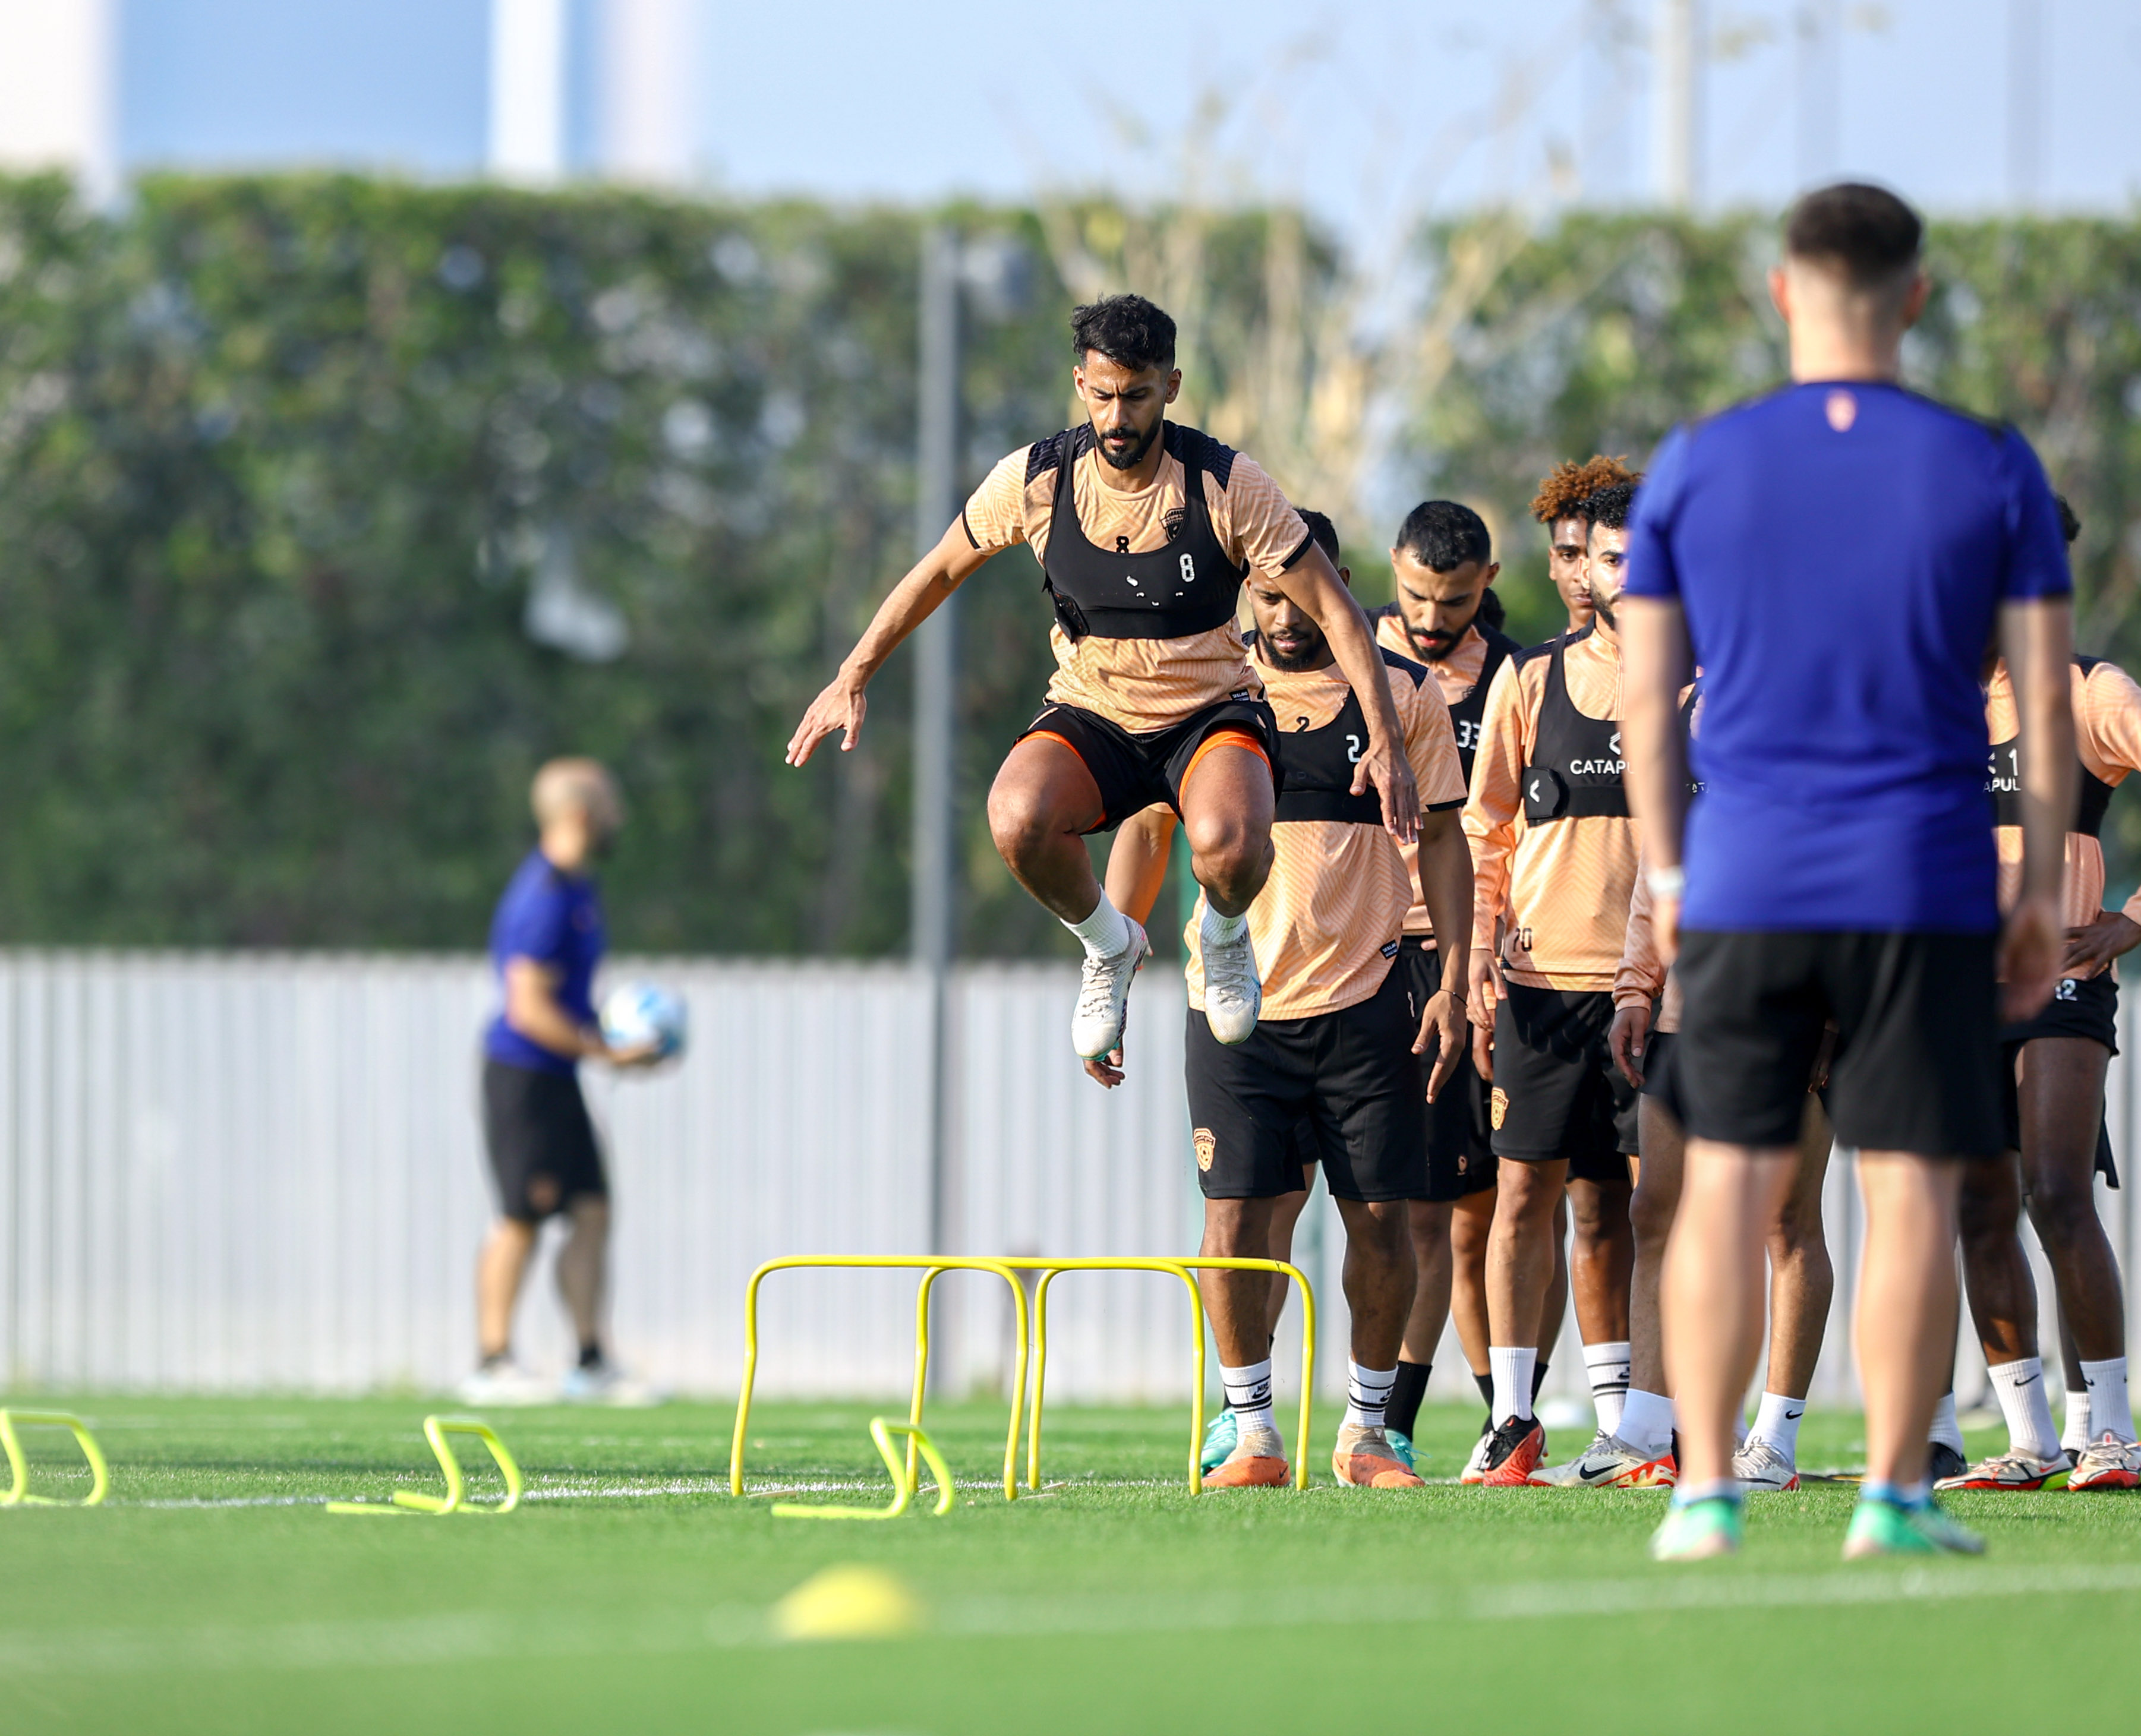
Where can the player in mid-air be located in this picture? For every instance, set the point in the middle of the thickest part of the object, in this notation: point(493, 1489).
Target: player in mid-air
point(1554, 857)
point(1334, 1072)
point(1144, 530)
point(1837, 555)
point(2052, 1085)
point(546, 941)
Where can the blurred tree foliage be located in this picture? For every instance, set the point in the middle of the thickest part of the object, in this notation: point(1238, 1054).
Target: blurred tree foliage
point(329, 507)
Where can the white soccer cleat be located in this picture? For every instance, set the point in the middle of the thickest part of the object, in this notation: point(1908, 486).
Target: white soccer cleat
point(1609, 1462)
point(506, 1383)
point(1233, 992)
point(2014, 1472)
point(2107, 1462)
point(1760, 1465)
point(1104, 992)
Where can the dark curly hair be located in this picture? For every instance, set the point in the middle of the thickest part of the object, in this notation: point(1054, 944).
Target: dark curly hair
point(1442, 535)
point(1612, 504)
point(1566, 487)
point(1127, 329)
point(1321, 527)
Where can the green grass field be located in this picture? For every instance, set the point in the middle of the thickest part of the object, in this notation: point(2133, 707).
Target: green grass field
point(211, 1593)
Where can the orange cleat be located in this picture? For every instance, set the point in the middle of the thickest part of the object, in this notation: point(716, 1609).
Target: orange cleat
point(1248, 1471)
point(1517, 1447)
point(1365, 1460)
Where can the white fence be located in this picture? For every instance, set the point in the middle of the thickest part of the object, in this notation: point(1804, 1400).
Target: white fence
point(265, 1172)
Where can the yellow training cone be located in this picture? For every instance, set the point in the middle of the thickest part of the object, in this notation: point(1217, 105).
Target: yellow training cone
point(848, 1603)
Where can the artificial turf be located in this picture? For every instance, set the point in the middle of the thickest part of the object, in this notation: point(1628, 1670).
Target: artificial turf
point(212, 1592)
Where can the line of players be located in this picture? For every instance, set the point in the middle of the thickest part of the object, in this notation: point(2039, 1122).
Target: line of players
point(1405, 831)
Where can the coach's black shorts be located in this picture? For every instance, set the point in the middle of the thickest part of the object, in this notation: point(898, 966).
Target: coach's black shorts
point(2080, 1007)
point(541, 1145)
point(1556, 1093)
point(1351, 1075)
point(1658, 1071)
point(1916, 1059)
point(1461, 1146)
point(1137, 772)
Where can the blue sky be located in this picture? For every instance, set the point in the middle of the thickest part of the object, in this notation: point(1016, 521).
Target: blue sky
point(1366, 111)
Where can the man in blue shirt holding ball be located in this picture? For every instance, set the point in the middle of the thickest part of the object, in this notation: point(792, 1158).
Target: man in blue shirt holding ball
point(546, 941)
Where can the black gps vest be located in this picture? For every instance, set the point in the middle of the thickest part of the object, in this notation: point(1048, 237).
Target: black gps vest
point(1575, 769)
point(2003, 782)
point(1470, 713)
point(1188, 587)
point(1316, 766)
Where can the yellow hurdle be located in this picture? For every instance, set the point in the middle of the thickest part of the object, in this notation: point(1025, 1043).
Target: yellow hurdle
point(931, 1267)
point(436, 1431)
point(1008, 1266)
point(18, 1494)
point(904, 1481)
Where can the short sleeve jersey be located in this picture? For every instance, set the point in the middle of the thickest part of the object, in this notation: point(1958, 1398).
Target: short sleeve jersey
point(555, 919)
point(1141, 685)
point(1331, 917)
point(1455, 677)
point(1841, 551)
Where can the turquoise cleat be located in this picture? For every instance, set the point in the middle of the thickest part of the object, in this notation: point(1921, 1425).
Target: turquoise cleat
point(1700, 1530)
point(1888, 1527)
point(1220, 1442)
point(1401, 1444)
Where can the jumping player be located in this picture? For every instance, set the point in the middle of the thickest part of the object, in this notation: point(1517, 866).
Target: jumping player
point(1144, 530)
point(1339, 1047)
point(1838, 866)
point(1552, 838)
point(1446, 616)
point(1558, 505)
point(2051, 1088)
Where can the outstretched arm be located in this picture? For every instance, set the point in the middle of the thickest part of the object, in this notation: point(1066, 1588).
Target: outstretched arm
point(1313, 584)
point(913, 600)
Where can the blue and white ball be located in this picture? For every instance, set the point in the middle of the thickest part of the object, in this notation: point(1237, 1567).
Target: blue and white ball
point(638, 1013)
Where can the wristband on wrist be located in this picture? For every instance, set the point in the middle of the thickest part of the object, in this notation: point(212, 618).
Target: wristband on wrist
point(1666, 882)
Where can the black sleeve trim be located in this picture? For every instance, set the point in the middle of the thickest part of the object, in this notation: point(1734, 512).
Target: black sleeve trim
point(1442, 807)
point(1287, 565)
point(968, 529)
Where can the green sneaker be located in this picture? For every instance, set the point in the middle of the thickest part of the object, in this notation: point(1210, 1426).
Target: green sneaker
point(1883, 1528)
point(1220, 1442)
point(1698, 1532)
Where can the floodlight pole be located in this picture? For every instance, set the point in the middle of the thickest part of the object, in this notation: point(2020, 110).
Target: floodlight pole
point(936, 684)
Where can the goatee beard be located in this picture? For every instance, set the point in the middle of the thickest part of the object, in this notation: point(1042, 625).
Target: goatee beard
point(1304, 658)
point(1433, 650)
point(1136, 454)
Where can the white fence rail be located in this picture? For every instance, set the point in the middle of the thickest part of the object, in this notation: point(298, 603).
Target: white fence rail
point(225, 1173)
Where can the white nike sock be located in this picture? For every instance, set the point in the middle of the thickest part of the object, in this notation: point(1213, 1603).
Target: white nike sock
point(1946, 1431)
point(1513, 1365)
point(1248, 1392)
point(2020, 1385)
point(1367, 1392)
point(1646, 1421)
point(1607, 1366)
point(2110, 1407)
point(1777, 1421)
point(1215, 930)
point(2075, 1435)
point(1105, 932)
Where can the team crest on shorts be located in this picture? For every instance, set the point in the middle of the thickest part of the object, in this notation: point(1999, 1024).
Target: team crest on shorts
point(1497, 1106)
point(1207, 1147)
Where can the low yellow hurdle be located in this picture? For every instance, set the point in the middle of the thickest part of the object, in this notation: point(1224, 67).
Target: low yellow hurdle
point(1008, 1266)
point(904, 1481)
point(932, 1266)
point(18, 1493)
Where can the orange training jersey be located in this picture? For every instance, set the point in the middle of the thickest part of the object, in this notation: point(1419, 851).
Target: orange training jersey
point(1141, 685)
point(1454, 676)
point(2107, 722)
point(1329, 919)
point(1566, 882)
point(1641, 976)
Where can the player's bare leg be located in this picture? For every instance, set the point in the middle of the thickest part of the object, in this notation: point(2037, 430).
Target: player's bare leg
point(1227, 803)
point(1647, 1420)
point(1379, 1278)
point(1520, 1264)
point(1428, 1224)
point(1802, 1285)
point(1239, 1305)
point(501, 1269)
point(1222, 1435)
point(1600, 1264)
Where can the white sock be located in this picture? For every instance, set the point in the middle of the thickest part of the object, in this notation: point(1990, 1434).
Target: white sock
point(1105, 932)
point(1607, 1366)
point(1946, 1431)
point(1512, 1365)
point(2110, 1407)
point(1248, 1392)
point(2075, 1435)
point(1367, 1392)
point(1777, 1421)
point(1646, 1421)
point(1214, 930)
point(2020, 1385)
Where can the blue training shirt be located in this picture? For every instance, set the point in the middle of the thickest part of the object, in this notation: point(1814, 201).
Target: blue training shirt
point(555, 919)
point(1841, 551)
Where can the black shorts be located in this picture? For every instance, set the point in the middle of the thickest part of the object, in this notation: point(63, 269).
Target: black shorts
point(1461, 1146)
point(2080, 1007)
point(1917, 1029)
point(1349, 1075)
point(1137, 772)
point(1556, 1093)
point(1658, 1071)
point(541, 1145)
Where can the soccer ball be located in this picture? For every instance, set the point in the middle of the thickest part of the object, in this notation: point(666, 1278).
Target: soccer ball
point(638, 1013)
